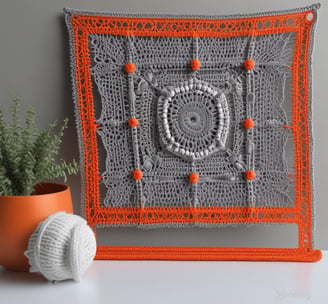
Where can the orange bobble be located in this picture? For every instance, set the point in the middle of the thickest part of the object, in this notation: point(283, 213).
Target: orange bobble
point(137, 174)
point(193, 178)
point(249, 64)
point(248, 123)
point(250, 175)
point(130, 67)
point(195, 64)
point(133, 122)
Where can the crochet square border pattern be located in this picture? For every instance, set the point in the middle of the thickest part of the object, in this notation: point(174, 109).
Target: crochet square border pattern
point(196, 115)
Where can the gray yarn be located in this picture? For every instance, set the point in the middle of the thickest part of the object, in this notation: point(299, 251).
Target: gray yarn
point(192, 121)
point(162, 68)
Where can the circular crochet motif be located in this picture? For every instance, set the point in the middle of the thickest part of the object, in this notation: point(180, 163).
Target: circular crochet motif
point(193, 119)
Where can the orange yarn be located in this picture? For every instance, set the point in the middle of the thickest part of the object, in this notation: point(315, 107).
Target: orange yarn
point(180, 27)
point(206, 215)
point(130, 67)
point(301, 215)
point(137, 174)
point(195, 64)
point(133, 122)
point(248, 123)
point(206, 253)
point(193, 178)
point(249, 64)
point(250, 175)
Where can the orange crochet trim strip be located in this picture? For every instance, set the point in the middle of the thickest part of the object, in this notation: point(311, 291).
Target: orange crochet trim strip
point(206, 253)
point(300, 103)
point(301, 213)
point(210, 215)
point(171, 27)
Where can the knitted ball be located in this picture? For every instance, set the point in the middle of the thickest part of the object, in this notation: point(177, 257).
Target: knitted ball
point(62, 247)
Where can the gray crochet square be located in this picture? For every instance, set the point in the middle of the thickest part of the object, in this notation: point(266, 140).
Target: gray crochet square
point(192, 120)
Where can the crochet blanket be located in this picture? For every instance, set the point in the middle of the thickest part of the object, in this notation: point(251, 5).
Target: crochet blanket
point(195, 121)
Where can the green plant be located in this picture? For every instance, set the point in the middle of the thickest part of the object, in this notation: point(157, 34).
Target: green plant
point(27, 155)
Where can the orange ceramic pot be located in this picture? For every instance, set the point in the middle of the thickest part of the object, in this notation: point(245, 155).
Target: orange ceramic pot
point(20, 215)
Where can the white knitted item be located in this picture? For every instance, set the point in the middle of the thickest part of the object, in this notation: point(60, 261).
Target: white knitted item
point(62, 247)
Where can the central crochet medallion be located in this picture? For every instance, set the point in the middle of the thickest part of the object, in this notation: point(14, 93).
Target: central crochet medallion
point(193, 119)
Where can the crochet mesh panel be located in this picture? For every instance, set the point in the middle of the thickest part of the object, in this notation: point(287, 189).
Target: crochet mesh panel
point(192, 121)
point(195, 121)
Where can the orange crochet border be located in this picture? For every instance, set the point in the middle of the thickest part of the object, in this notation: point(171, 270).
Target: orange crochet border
point(300, 214)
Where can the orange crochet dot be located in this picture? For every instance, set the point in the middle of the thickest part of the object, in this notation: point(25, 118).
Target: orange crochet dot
point(130, 67)
point(137, 174)
point(249, 64)
point(250, 175)
point(193, 178)
point(195, 64)
point(133, 122)
point(248, 123)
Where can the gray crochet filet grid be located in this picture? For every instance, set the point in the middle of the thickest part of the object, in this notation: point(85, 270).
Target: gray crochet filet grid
point(192, 120)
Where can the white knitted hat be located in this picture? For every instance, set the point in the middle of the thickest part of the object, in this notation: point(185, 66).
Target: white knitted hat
point(62, 247)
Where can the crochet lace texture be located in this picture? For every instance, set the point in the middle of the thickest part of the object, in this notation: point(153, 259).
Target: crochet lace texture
point(192, 121)
point(202, 120)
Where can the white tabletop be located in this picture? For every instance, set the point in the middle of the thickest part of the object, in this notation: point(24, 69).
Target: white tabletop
point(166, 282)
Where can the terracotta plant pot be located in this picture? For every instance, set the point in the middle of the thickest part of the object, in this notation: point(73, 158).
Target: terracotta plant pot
point(20, 215)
